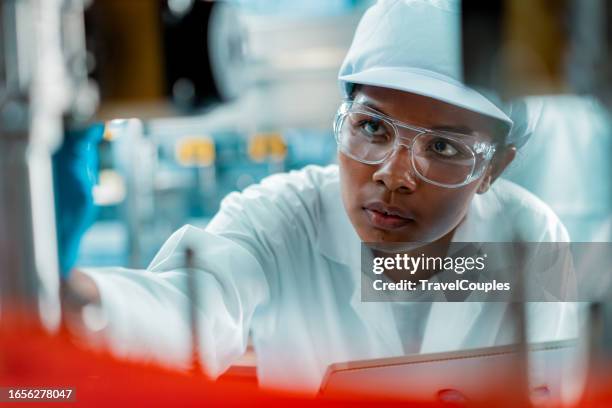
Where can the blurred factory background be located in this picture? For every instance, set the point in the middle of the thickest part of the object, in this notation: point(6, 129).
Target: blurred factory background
point(158, 174)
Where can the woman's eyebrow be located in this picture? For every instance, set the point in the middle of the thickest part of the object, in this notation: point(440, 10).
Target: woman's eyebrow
point(454, 129)
point(373, 106)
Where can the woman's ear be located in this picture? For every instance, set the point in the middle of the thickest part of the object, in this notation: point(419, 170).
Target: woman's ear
point(500, 161)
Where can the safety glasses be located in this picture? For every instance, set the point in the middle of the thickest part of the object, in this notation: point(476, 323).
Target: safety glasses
point(445, 159)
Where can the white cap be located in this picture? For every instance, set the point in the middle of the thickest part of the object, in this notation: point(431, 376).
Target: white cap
point(414, 46)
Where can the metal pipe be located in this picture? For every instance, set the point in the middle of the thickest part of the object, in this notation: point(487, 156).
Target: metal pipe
point(36, 91)
point(193, 299)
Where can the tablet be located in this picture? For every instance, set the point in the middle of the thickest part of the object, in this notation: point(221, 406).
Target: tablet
point(481, 374)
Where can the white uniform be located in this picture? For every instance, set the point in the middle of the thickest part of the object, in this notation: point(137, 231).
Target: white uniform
point(281, 260)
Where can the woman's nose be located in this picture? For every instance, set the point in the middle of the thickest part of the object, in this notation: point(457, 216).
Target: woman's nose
point(396, 172)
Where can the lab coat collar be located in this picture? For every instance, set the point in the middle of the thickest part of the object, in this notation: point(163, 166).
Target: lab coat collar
point(337, 240)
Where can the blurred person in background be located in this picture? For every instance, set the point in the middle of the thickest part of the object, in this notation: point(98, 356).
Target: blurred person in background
point(419, 160)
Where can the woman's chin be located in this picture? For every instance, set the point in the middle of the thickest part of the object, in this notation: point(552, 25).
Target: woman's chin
point(376, 235)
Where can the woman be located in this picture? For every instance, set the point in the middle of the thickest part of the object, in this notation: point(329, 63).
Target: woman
point(419, 155)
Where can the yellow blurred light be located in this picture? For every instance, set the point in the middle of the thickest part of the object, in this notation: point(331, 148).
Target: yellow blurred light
point(195, 151)
point(267, 145)
point(257, 147)
point(277, 146)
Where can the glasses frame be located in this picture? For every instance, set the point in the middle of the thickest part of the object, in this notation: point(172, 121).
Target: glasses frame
point(485, 149)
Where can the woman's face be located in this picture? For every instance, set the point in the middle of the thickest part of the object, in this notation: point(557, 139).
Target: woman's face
point(388, 202)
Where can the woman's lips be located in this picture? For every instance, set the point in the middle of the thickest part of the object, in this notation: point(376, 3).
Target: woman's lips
point(386, 217)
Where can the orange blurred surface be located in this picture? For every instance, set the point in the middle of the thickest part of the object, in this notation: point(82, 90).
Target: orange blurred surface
point(32, 358)
point(29, 357)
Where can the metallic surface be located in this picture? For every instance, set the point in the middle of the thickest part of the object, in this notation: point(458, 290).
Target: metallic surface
point(35, 93)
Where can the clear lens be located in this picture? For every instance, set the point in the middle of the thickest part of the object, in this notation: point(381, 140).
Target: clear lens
point(442, 159)
point(438, 158)
point(366, 137)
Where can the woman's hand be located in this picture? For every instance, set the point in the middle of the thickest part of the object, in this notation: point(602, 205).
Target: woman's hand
point(79, 292)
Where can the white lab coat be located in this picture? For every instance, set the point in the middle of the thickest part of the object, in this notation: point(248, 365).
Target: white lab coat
point(281, 260)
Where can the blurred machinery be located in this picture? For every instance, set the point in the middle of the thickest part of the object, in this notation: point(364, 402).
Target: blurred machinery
point(47, 85)
point(38, 87)
point(540, 47)
point(135, 56)
point(154, 179)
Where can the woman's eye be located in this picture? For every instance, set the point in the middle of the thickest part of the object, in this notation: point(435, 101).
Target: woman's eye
point(444, 148)
point(373, 130)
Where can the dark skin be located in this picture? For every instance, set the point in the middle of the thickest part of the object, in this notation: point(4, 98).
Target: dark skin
point(435, 211)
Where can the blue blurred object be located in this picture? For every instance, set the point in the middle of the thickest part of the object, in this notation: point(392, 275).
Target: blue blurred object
point(75, 172)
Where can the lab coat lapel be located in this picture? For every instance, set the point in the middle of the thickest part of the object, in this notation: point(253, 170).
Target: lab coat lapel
point(338, 241)
point(450, 323)
point(378, 317)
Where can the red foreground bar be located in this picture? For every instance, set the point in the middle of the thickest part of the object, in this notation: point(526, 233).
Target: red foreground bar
point(33, 360)
point(35, 367)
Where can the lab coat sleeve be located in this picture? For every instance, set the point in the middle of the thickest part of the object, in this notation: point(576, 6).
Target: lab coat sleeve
point(257, 237)
point(148, 310)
